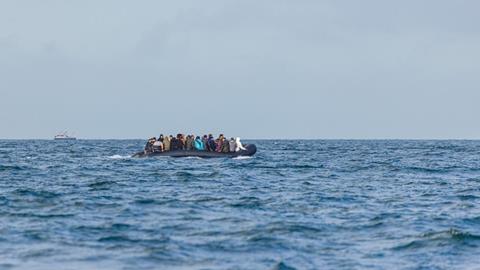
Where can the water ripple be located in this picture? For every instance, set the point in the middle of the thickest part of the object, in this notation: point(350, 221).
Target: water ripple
point(294, 205)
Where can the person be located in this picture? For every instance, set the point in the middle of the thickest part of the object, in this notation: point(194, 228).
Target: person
point(160, 138)
point(166, 143)
point(211, 143)
point(190, 139)
point(182, 142)
point(157, 146)
point(149, 145)
point(232, 145)
point(205, 142)
point(174, 144)
point(238, 145)
point(219, 143)
point(198, 144)
point(225, 146)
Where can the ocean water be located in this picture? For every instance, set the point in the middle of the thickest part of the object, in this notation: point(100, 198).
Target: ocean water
point(294, 205)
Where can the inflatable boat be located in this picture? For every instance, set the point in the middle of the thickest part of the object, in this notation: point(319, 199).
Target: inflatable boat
point(251, 149)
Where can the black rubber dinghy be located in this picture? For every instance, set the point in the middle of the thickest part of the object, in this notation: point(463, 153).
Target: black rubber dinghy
point(251, 149)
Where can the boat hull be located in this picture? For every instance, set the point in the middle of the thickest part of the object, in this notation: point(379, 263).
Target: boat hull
point(251, 149)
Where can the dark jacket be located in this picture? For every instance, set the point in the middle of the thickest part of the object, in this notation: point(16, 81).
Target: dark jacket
point(148, 147)
point(174, 144)
point(211, 144)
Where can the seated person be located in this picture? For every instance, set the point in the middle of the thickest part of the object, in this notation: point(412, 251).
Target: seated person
point(211, 146)
point(219, 143)
point(198, 144)
point(167, 143)
point(174, 144)
point(225, 146)
point(232, 145)
point(182, 142)
point(149, 145)
point(190, 139)
point(157, 146)
point(238, 145)
point(205, 142)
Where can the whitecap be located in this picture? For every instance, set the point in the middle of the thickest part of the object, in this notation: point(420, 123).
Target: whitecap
point(243, 157)
point(193, 157)
point(118, 157)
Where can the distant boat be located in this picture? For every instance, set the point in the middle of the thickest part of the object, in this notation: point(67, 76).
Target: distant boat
point(64, 137)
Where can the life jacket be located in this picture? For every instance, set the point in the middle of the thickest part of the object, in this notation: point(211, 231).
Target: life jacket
point(198, 144)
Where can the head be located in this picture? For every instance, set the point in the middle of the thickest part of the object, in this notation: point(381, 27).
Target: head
point(197, 138)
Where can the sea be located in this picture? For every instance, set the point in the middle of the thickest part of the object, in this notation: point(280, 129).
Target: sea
point(296, 204)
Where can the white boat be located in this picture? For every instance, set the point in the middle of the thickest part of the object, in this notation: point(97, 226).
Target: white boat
point(64, 137)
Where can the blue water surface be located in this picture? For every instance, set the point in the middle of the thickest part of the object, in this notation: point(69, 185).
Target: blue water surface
point(294, 205)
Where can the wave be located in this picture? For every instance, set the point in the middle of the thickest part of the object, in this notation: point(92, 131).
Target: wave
point(44, 194)
point(46, 216)
point(104, 184)
point(441, 238)
point(119, 157)
point(472, 220)
point(12, 168)
point(242, 157)
point(186, 175)
point(198, 158)
point(283, 266)
point(247, 202)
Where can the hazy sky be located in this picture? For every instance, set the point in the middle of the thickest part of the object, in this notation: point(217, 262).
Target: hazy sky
point(256, 69)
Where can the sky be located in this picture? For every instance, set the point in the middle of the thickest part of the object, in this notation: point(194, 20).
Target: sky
point(279, 69)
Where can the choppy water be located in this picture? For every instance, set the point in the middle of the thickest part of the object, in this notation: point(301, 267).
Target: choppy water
point(295, 205)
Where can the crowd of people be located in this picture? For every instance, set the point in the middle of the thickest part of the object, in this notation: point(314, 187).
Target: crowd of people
point(193, 143)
